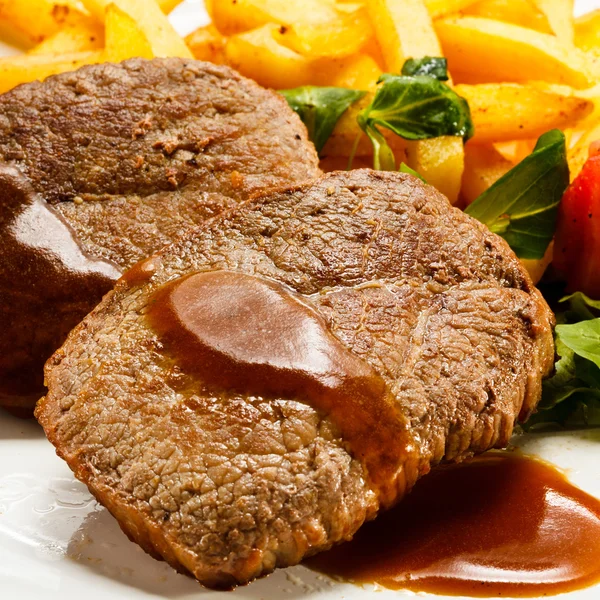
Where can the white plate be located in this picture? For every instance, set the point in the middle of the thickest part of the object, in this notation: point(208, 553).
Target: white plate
point(57, 543)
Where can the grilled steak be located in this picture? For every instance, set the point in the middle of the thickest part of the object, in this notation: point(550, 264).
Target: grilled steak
point(129, 156)
point(227, 483)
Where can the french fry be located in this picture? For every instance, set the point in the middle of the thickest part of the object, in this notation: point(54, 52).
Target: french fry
point(154, 25)
point(358, 72)
point(124, 39)
point(560, 17)
point(440, 161)
point(495, 51)
point(484, 165)
point(342, 36)
point(587, 31)
point(511, 111)
point(517, 12)
point(404, 30)
point(27, 23)
point(515, 150)
point(168, 5)
point(579, 153)
point(443, 8)
point(244, 15)
point(81, 34)
point(23, 69)
point(258, 54)
point(206, 43)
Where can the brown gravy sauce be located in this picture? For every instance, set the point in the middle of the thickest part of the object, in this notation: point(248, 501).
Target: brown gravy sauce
point(43, 269)
point(246, 334)
point(500, 525)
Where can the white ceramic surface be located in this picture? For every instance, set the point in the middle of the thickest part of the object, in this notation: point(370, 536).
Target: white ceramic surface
point(58, 543)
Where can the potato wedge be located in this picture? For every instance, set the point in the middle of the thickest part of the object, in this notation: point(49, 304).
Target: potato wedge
point(560, 17)
point(537, 267)
point(493, 51)
point(155, 26)
point(484, 165)
point(124, 39)
point(358, 72)
point(512, 111)
point(206, 43)
point(81, 34)
point(517, 12)
point(23, 69)
point(168, 5)
point(440, 161)
point(587, 31)
point(443, 8)
point(27, 23)
point(98, 7)
point(259, 55)
point(404, 30)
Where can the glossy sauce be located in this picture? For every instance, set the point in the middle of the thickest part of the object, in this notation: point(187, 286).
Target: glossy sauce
point(46, 279)
point(500, 525)
point(249, 335)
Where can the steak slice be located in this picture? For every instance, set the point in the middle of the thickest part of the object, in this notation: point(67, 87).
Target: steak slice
point(129, 156)
point(227, 485)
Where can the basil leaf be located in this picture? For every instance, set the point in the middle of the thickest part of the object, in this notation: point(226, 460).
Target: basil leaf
point(320, 108)
point(404, 168)
point(522, 205)
point(417, 108)
point(582, 338)
point(431, 66)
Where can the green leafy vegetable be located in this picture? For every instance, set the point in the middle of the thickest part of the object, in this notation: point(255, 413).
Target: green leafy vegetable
point(432, 66)
point(320, 108)
point(404, 168)
point(522, 205)
point(414, 108)
point(571, 397)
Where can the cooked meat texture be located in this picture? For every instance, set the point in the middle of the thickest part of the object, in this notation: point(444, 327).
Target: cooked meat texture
point(228, 487)
point(131, 156)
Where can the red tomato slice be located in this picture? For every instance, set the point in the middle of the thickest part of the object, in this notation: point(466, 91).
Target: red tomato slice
point(577, 243)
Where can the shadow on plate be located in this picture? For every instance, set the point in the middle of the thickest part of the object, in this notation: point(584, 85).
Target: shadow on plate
point(14, 428)
point(100, 546)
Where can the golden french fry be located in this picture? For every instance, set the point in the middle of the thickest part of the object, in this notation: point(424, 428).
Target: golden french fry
point(440, 161)
point(358, 72)
point(81, 34)
point(579, 153)
point(124, 39)
point(517, 12)
point(512, 111)
point(560, 17)
point(443, 8)
point(587, 31)
point(344, 35)
point(151, 21)
point(404, 30)
point(537, 267)
point(27, 23)
point(244, 15)
point(484, 165)
point(495, 51)
point(168, 5)
point(259, 55)
point(206, 43)
point(516, 150)
point(23, 69)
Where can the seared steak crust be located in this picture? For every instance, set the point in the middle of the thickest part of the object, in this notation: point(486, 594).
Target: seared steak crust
point(228, 487)
point(132, 155)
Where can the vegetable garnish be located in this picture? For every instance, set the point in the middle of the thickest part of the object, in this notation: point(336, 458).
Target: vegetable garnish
point(572, 396)
point(404, 168)
point(415, 108)
point(522, 205)
point(320, 108)
point(429, 65)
